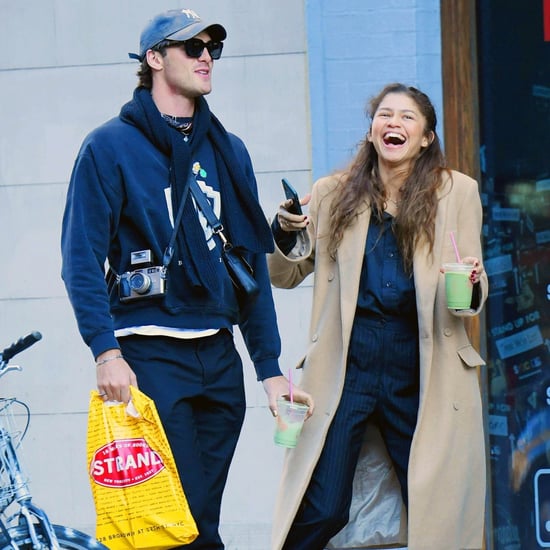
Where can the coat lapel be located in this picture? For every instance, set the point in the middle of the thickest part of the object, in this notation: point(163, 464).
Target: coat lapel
point(350, 262)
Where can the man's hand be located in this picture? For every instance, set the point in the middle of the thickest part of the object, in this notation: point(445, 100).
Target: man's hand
point(114, 376)
point(278, 386)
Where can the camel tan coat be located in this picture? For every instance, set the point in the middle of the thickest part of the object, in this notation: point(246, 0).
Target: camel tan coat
point(447, 460)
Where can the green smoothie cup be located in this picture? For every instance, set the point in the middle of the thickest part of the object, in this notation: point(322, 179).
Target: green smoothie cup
point(289, 422)
point(458, 286)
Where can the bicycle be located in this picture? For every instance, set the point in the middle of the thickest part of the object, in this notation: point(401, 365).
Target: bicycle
point(23, 525)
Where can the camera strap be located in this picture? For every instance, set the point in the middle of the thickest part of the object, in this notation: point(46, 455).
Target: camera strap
point(112, 277)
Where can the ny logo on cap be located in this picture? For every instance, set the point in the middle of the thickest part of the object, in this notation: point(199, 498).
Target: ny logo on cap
point(190, 13)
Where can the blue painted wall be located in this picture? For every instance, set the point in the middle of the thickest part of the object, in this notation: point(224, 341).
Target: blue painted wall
point(355, 47)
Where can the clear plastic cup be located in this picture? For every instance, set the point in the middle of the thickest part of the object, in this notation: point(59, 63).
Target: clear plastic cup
point(289, 422)
point(458, 286)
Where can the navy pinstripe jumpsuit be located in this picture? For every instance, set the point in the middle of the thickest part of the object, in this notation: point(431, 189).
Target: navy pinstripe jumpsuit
point(381, 385)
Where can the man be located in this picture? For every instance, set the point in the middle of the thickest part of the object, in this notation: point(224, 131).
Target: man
point(163, 318)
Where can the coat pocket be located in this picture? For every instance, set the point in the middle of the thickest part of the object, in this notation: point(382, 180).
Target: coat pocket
point(470, 356)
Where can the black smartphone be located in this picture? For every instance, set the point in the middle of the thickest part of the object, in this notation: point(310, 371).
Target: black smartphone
point(290, 193)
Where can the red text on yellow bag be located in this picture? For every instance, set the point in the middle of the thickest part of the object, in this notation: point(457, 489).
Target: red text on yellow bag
point(139, 500)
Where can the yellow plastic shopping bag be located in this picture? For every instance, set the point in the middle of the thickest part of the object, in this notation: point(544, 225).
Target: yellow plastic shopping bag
point(139, 500)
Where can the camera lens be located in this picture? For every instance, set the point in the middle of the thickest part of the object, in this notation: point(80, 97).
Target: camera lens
point(140, 283)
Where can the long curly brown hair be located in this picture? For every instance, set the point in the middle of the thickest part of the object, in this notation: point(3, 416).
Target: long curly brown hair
point(415, 219)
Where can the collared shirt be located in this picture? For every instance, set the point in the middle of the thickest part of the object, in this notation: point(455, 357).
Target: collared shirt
point(385, 290)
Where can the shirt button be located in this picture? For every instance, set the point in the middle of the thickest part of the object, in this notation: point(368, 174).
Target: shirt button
point(388, 284)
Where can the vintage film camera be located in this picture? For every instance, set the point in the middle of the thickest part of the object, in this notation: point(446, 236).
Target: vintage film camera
point(148, 281)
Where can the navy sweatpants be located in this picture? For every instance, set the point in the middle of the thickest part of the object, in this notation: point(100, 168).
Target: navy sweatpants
point(197, 386)
point(381, 385)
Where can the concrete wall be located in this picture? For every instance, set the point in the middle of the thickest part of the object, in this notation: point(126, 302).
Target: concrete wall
point(64, 71)
point(355, 48)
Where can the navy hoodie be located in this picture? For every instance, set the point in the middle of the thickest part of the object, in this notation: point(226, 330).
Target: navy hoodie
point(117, 203)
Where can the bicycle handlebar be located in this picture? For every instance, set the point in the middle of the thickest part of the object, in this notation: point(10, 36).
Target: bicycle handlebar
point(22, 344)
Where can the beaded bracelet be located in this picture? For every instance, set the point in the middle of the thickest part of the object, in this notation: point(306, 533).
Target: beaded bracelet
point(103, 361)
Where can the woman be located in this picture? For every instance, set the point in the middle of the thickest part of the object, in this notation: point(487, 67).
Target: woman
point(397, 437)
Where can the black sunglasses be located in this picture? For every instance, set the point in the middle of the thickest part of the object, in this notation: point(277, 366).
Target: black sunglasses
point(195, 46)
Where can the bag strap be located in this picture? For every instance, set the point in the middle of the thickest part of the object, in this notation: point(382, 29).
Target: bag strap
point(206, 208)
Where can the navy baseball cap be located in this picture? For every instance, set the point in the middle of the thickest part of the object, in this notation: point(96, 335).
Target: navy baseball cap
point(177, 25)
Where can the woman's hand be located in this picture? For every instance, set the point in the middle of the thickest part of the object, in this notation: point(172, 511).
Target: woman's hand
point(475, 275)
point(477, 271)
point(292, 222)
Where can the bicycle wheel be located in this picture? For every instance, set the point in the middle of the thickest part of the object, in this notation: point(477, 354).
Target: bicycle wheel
point(68, 538)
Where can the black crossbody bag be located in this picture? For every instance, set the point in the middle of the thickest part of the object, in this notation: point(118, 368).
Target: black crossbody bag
point(239, 270)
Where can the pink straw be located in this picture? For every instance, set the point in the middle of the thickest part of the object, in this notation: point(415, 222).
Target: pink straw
point(455, 247)
point(290, 391)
